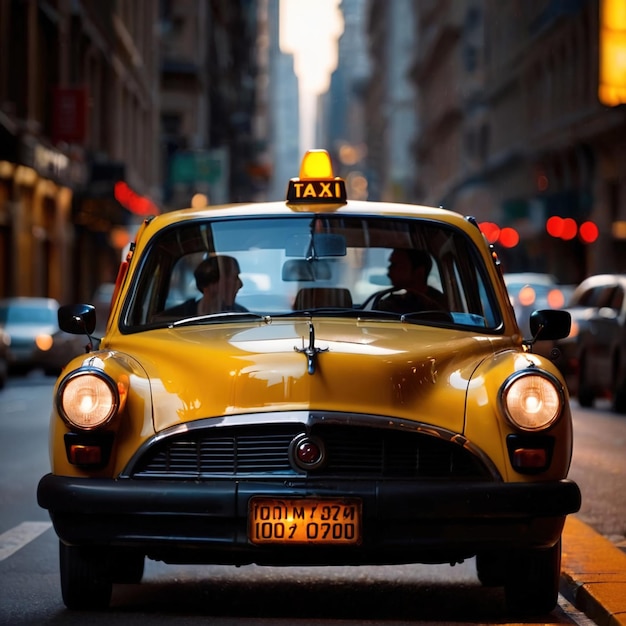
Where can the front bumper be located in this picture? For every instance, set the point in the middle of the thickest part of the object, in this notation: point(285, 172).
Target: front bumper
point(403, 521)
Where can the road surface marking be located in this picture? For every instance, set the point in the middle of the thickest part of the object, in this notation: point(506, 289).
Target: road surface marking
point(12, 540)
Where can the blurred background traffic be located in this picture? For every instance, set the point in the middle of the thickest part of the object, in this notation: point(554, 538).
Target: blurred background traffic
point(115, 110)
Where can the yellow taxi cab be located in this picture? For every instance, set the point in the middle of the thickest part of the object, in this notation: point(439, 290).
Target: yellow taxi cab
point(272, 388)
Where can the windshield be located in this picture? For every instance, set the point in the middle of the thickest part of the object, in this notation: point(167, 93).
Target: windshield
point(322, 265)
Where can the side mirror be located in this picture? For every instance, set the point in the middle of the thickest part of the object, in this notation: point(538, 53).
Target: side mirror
point(77, 319)
point(550, 324)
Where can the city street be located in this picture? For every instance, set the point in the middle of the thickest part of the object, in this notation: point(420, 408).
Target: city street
point(413, 594)
point(317, 275)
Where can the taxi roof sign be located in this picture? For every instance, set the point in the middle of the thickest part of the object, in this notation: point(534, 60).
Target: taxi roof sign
point(316, 183)
point(316, 164)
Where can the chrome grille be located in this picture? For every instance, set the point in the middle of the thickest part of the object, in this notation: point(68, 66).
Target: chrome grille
point(352, 451)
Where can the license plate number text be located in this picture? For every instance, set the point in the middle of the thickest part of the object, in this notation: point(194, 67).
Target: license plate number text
point(273, 520)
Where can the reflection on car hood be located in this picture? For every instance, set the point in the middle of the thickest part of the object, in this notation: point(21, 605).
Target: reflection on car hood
point(386, 369)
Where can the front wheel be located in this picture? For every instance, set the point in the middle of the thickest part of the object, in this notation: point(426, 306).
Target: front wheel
point(491, 568)
point(86, 582)
point(619, 389)
point(126, 566)
point(619, 401)
point(532, 583)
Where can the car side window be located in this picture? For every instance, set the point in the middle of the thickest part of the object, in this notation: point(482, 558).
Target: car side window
point(617, 299)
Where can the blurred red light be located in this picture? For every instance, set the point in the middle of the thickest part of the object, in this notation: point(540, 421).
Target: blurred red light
point(570, 228)
point(588, 232)
point(132, 201)
point(554, 226)
point(490, 230)
point(509, 237)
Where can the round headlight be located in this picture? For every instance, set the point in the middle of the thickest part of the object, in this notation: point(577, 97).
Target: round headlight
point(88, 399)
point(532, 401)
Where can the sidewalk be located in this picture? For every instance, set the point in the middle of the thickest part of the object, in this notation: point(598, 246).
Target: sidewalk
point(593, 574)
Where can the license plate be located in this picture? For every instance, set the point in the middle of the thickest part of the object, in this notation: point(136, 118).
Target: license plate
point(311, 520)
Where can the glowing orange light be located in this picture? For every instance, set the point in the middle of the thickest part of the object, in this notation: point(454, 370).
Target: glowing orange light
point(526, 295)
point(44, 342)
point(119, 237)
point(509, 237)
point(588, 232)
point(612, 57)
point(556, 299)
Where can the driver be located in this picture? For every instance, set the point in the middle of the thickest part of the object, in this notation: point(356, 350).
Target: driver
point(408, 272)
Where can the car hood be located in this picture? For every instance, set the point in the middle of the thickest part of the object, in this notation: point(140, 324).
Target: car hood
point(391, 369)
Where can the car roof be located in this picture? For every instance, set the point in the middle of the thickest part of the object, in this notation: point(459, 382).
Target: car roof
point(601, 279)
point(597, 280)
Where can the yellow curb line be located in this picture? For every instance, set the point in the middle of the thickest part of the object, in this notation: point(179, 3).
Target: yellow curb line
point(593, 574)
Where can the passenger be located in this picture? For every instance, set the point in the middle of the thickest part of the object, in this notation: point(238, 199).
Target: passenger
point(408, 272)
point(217, 279)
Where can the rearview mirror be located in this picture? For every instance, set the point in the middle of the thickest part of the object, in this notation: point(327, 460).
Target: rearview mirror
point(316, 245)
point(301, 270)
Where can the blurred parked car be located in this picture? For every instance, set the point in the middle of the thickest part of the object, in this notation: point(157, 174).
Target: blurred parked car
point(591, 294)
point(4, 357)
point(35, 339)
point(531, 291)
point(602, 347)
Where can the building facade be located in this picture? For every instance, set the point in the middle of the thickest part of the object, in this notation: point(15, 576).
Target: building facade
point(112, 111)
point(78, 122)
point(509, 126)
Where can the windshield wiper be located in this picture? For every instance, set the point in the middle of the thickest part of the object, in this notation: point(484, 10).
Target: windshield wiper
point(413, 317)
point(222, 316)
point(433, 315)
point(322, 310)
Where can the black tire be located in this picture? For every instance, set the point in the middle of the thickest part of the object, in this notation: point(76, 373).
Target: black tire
point(86, 582)
point(532, 581)
point(619, 401)
point(126, 566)
point(491, 568)
point(585, 394)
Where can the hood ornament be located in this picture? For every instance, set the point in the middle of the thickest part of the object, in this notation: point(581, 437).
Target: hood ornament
point(311, 351)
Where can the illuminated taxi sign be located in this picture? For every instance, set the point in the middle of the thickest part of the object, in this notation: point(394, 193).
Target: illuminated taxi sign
point(316, 183)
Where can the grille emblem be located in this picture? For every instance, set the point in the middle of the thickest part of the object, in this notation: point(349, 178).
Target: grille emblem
point(307, 452)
